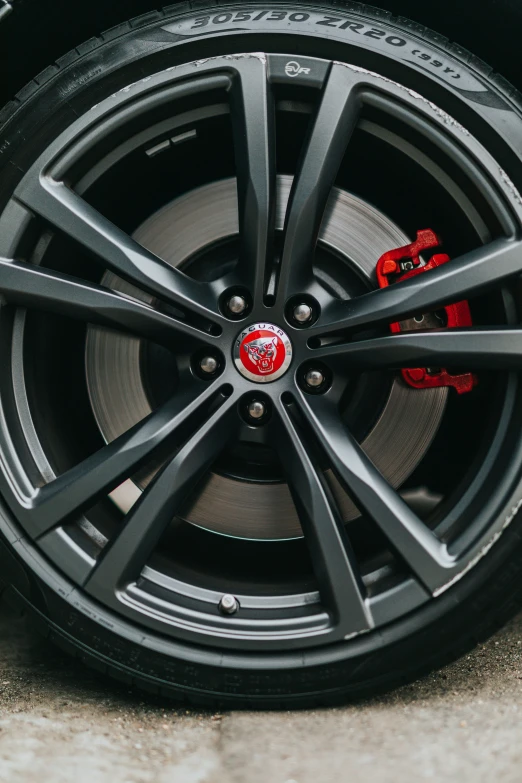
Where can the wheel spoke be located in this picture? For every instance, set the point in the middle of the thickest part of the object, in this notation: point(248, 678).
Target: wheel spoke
point(466, 276)
point(407, 534)
point(334, 563)
point(66, 210)
point(336, 119)
point(30, 286)
point(81, 486)
point(254, 140)
point(126, 555)
point(476, 348)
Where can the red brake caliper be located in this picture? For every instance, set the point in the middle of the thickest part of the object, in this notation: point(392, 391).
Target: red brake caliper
point(403, 263)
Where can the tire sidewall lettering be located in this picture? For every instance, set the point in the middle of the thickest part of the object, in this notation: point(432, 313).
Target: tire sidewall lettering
point(222, 18)
point(335, 25)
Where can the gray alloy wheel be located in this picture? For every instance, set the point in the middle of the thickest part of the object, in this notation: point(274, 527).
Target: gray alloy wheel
point(215, 478)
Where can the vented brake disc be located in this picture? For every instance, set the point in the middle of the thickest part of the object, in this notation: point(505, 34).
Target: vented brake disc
point(115, 375)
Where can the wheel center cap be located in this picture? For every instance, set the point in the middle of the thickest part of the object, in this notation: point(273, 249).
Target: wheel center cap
point(262, 352)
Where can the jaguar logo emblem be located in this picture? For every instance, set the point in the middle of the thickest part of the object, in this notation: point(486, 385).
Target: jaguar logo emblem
point(262, 352)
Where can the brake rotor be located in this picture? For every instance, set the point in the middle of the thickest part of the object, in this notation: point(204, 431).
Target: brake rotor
point(397, 442)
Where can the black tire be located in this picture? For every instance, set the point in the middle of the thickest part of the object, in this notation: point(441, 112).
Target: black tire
point(442, 628)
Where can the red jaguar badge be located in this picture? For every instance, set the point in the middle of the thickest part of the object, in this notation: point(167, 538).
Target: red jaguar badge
point(262, 352)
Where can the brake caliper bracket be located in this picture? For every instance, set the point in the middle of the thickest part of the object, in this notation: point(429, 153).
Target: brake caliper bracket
point(403, 263)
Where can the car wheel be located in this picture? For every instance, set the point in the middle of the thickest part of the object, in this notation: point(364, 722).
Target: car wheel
point(260, 424)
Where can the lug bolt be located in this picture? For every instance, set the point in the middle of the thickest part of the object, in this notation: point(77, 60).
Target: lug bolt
point(237, 304)
point(314, 378)
point(208, 364)
point(256, 409)
point(302, 313)
point(228, 604)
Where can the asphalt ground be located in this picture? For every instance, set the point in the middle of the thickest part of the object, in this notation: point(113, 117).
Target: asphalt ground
point(62, 723)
